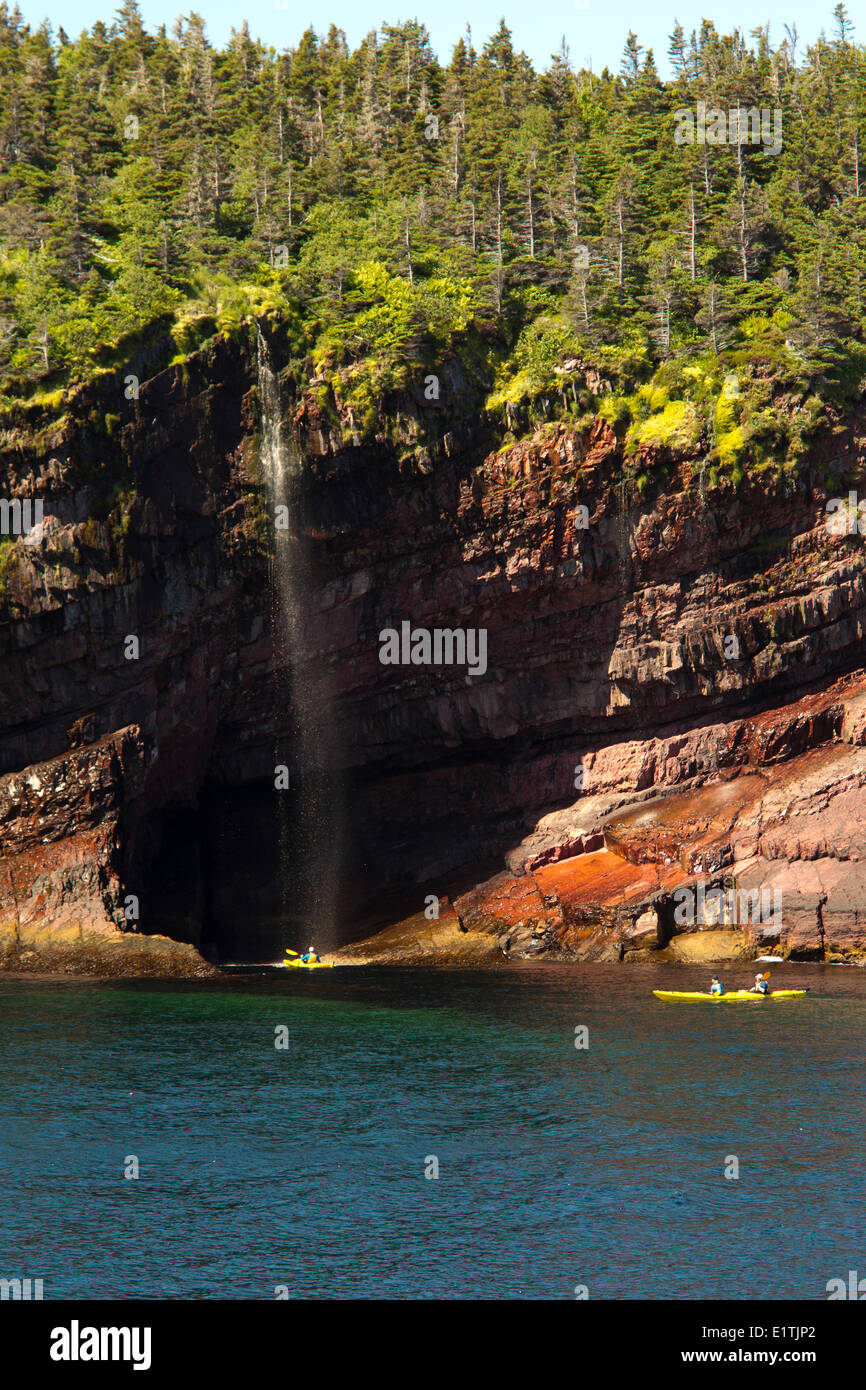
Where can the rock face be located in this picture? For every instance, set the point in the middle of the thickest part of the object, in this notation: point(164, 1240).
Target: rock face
point(64, 904)
point(687, 662)
point(766, 855)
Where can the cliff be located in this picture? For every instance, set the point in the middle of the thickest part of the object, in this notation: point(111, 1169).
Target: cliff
point(672, 692)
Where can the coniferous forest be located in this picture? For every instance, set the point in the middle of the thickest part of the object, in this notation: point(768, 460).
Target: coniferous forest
point(432, 684)
point(393, 207)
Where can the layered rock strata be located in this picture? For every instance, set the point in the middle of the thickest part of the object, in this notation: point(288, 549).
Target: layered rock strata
point(766, 855)
point(636, 644)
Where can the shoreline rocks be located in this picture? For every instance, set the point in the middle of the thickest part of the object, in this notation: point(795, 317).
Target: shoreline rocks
point(131, 956)
point(767, 853)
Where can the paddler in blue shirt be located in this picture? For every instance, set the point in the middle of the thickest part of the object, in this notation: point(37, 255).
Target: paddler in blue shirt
point(311, 955)
point(716, 986)
point(760, 986)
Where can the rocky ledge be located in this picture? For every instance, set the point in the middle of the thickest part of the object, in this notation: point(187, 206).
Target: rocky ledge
point(763, 854)
point(63, 907)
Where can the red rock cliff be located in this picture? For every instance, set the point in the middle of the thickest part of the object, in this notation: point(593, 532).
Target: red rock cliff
point(633, 655)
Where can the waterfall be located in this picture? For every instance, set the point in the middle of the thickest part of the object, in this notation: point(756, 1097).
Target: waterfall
point(310, 811)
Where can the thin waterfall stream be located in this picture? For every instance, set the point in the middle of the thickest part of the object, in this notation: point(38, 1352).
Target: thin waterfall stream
point(310, 810)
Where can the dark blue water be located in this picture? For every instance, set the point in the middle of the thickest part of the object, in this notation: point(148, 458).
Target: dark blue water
point(557, 1167)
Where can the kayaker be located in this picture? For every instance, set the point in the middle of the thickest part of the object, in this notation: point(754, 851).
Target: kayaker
point(716, 986)
point(311, 956)
point(760, 986)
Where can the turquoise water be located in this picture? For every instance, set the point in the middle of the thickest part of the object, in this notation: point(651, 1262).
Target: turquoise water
point(557, 1166)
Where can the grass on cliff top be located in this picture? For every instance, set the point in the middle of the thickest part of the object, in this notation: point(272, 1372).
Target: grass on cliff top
point(756, 405)
point(8, 572)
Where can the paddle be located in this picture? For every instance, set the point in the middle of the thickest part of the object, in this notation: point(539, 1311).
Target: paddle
point(291, 953)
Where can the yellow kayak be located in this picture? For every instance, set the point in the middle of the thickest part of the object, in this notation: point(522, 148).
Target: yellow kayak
point(308, 965)
point(736, 995)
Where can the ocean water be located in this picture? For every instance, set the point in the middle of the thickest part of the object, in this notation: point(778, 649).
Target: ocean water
point(304, 1167)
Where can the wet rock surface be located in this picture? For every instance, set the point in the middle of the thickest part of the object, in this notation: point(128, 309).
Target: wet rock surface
point(767, 857)
point(608, 661)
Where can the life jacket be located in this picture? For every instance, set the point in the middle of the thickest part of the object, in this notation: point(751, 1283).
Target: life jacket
point(716, 988)
point(763, 987)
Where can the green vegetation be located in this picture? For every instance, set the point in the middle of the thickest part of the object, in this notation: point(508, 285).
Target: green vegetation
point(8, 574)
point(394, 212)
